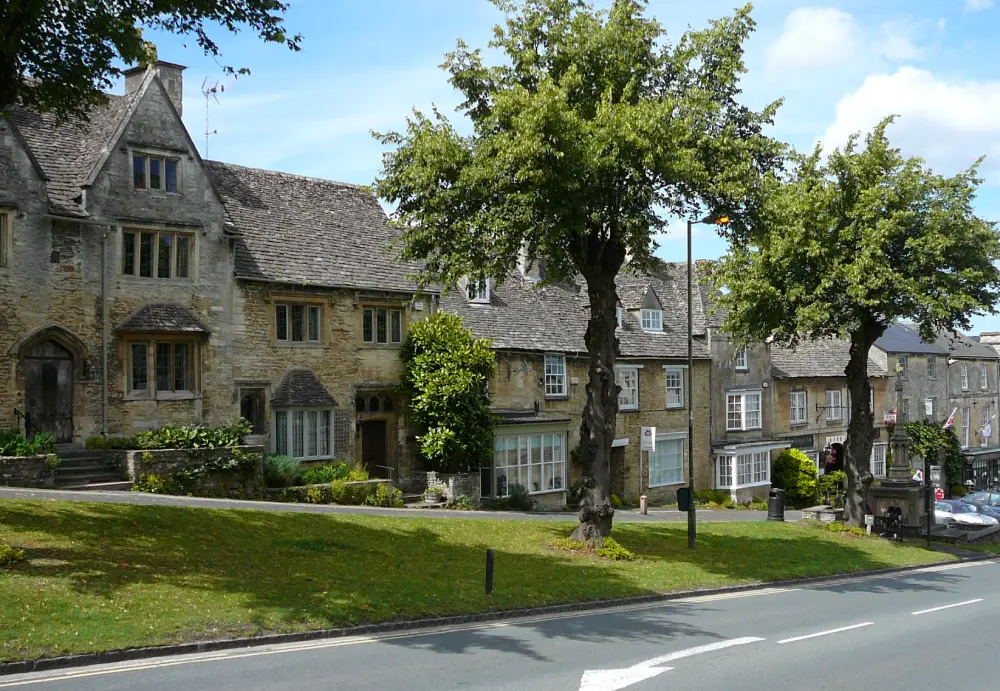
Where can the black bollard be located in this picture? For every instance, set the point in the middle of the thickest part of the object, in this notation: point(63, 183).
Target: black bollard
point(489, 572)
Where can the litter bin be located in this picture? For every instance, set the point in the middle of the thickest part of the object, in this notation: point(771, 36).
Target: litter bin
point(776, 504)
point(683, 498)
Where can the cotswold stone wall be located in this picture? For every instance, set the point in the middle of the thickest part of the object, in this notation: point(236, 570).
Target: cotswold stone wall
point(26, 471)
point(164, 462)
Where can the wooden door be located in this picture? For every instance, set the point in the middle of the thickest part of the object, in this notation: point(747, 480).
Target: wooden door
point(48, 391)
point(373, 448)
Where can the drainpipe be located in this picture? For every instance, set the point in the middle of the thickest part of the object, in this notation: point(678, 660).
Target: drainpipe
point(104, 334)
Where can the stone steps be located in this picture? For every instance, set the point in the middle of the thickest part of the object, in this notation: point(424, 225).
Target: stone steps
point(111, 486)
point(82, 469)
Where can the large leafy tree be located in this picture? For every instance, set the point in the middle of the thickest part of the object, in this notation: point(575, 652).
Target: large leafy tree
point(847, 244)
point(586, 138)
point(62, 56)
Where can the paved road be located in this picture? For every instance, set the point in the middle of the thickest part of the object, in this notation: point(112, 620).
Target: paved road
point(628, 515)
point(923, 630)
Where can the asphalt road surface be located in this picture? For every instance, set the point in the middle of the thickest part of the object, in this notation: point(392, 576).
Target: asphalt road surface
point(929, 629)
point(624, 515)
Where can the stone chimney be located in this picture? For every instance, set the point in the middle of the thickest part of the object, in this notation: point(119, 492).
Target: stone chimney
point(990, 338)
point(170, 74)
point(534, 270)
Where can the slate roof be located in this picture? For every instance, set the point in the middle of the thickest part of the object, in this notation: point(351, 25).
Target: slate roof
point(300, 387)
point(962, 347)
point(68, 153)
point(816, 359)
point(524, 315)
point(307, 231)
point(905, 338)
point(162, 318)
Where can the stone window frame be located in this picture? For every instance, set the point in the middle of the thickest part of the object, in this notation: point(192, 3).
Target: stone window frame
point(138, 231)
point(288, 436)
point(802, 419)
point(151, 390)
point(555, 384)
point(148, 156)
point(632, 370)
point(6, 238)
point(308, 309)
point(742, 410)
point(668, 372)
point(984, 377)
point(834, 405)
point(373, 341)
point(964, 372)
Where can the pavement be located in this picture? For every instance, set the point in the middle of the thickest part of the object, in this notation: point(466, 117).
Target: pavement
point(141, 498)
point(924, 629)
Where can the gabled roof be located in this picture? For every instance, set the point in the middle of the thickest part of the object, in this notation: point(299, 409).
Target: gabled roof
point(826, 358)
point(69, 153)
point(307, 231)
point(162, 318)
point(523, 315)
point(300, 387)
point(961, 347)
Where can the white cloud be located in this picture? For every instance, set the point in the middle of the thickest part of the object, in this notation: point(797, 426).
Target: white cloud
point(813, 38)
point(949, 123)
point(978, 5)
point(896, 43)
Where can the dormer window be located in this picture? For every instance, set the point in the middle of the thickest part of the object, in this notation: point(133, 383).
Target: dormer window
point(652, 320)
point(619, 312)
point(155, 173)
point(478, 291)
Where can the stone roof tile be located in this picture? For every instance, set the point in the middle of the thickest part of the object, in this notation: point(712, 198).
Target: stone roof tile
point(300, 387)
point(816, 359)
point(162, 318)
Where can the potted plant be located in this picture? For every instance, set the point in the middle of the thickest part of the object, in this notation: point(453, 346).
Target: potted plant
point(434, 494)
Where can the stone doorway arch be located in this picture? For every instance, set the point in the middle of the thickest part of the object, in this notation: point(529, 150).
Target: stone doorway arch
point(49, 359)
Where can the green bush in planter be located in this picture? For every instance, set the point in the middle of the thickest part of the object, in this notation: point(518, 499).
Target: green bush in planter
point(795, 473)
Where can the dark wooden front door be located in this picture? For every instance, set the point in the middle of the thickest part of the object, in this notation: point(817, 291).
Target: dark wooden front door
point(48, 391)
point(373, 448)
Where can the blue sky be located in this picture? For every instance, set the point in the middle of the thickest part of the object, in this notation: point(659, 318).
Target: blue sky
point(840, 66)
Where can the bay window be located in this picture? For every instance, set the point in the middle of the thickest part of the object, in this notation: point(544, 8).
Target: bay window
point(303, 433)
point(160, 368)
point(736, 470)
point(537, 462)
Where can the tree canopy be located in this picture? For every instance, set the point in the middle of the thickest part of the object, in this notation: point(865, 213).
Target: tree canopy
point(591, 134)
point(846, 244)
point(61, 57)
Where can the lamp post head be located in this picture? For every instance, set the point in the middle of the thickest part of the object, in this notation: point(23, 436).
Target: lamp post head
point(716, 219)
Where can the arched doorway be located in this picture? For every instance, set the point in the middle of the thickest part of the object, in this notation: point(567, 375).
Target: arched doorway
point(48, 390)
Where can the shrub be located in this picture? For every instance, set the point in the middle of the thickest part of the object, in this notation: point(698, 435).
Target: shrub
point(280, 471)
point(112, 444)
point(384, 495)
point(10, 556)
point(616, 502)
point(829, 483)
point(324, 474)
point(357, 473)
point(517, 500)
point(838, 527)
point(157, 484)
point(445, 375)
point(464, 502)
point(194, 436)
point(612, 549)
point(712, 496)
point(14, 443)
point(795, 473)
point(957, 491)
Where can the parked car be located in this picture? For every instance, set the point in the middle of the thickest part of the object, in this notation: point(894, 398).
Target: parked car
point(960, 512)
point(983, 497)
point(985, 510)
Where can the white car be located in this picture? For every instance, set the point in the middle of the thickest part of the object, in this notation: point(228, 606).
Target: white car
point(960, 513)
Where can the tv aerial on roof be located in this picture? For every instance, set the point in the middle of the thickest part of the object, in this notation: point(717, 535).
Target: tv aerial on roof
point(211, 89)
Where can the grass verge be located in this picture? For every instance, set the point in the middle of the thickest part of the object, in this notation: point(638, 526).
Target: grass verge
point(104, 576)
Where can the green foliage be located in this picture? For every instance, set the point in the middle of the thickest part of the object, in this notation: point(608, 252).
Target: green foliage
point(613, 550)
point(445, 373)
point(63, 54)
point(795, 473)
point(52, 461)
point(464, 502)
point(756, 504)
point(616, 501)
point(112, 443)
point(434, 493)
point(13, 443)
point(517, 500)
point(844, 529)
point(829, 484)
point(957, 491)
point(939, 446)
point(280, 471)
point(195, 436)
point(712, 496)
point(157, 484)
point(346, 493)
point(323, 474)
point(10, 556)
point(385, 495)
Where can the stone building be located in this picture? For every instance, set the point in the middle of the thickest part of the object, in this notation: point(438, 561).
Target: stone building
point(539, 390)
point(813, 404)
point(923, 367)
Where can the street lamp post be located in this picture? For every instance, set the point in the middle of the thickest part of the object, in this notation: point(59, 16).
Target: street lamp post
point(692, 522)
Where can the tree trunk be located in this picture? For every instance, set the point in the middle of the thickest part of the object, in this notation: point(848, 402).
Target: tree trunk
point(597, 429)
point(857, 465)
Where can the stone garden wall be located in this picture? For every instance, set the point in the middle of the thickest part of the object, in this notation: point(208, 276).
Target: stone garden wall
point(26, 471)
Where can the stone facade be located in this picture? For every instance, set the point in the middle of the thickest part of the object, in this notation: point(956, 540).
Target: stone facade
point(26, 471)
point(164, 462)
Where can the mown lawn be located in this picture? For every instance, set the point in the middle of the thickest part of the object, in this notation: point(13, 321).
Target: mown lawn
point(105, 576)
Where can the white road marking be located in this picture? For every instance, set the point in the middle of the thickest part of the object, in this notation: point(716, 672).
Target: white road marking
point(938, 609)
point(826, 633)
point(614, 679)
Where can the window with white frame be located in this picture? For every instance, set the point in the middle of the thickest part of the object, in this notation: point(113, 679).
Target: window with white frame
point(675, 387)
point(834, 404)
point(555, 376)
point(478, 291)
point(931, 367)
point(878, 460)
point(382, 326)
point(965, 377)
point(156, 253)
point(984, 381)
point(160, 366)
point(748, 469)
point(903, 362)
point(537, 462)
point(742, 362)
point(743, 410)
point(155, 173)
point(298, 323)
point(619, 312)
point(871, 400)
point(666, 463)
point(987, 419)
point(5, 239)
point(930, 407)
point(628, 380)
point(797, 408)
point(966, 425)
point(652, 320)
point(303, 433)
